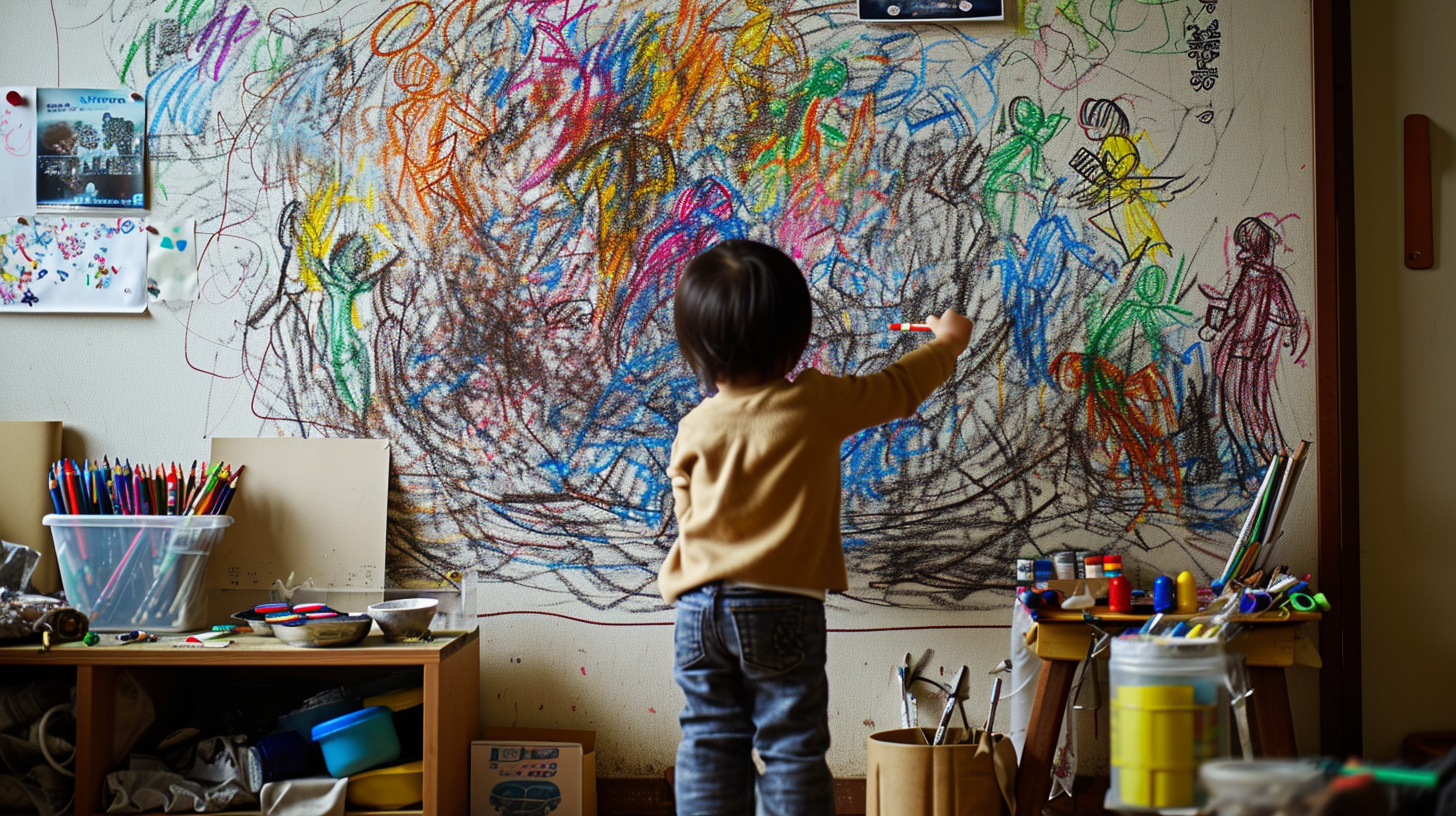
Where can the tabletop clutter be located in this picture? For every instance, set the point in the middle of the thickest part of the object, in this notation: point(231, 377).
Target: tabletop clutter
point(1173, 684)
point(1174, 678)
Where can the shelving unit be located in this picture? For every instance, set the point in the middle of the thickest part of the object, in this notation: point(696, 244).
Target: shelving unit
point(450, 664)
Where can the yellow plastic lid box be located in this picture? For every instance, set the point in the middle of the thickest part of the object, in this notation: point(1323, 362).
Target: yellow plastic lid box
point(388, 788)
point(398, 700)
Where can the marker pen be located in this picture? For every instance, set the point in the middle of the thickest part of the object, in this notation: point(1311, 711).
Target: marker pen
point(909, 327)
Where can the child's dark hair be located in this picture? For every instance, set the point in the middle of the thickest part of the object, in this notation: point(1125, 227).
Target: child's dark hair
point(742, 313)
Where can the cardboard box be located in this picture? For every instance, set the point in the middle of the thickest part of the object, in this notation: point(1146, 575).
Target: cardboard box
point(308, 508)
point(508, 762)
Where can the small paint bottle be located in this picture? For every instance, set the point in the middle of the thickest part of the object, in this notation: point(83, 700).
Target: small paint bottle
point(1119, 595)
point(1043, 570)
point(1065, 566)
point(1025, 571)
point(1092, 565)
point(1165, 598)
point(1187, 593)
point(1111, 566)
point(1081, 556)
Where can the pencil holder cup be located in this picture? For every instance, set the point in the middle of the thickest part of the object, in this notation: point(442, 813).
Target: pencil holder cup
point(907, 776)
point(137, 572)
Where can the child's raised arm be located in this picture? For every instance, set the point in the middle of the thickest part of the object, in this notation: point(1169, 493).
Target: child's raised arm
point(860, 402)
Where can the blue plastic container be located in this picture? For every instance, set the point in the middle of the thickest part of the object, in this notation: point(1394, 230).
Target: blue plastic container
point(284, 755)
point(358, 741)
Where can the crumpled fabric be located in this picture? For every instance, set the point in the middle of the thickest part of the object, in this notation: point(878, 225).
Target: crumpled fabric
point(45, 790)
point(309, 796)
point(17, 564)
point(167, 792)
point(215, 781)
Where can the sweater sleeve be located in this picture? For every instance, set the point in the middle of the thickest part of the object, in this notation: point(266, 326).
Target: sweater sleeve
point(678, 467)
point(858, 402)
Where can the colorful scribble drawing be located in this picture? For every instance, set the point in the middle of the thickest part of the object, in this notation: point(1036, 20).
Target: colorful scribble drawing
point(458, 224)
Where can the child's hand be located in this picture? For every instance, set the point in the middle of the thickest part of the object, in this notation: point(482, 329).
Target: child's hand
point(951, 329)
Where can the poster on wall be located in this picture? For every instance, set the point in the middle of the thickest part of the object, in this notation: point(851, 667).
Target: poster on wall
point(70, 264)
point(940, 11)
point(89, 148)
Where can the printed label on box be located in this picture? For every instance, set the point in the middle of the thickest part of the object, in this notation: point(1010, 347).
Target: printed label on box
point(512, 779)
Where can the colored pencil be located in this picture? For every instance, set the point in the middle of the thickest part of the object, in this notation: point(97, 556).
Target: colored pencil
point(1241, 543)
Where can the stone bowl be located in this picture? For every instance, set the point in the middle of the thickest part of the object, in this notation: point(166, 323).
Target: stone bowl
point(404, 619)
point(345, 630)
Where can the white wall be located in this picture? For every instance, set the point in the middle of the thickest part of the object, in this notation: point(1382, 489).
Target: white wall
point(1404, 64)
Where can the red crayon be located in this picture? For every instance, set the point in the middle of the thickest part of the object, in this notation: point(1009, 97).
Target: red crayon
point(909, 327)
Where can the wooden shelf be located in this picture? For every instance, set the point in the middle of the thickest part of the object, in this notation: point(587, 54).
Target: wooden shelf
point(246, 812)
point(450, 665)
point(247, 650)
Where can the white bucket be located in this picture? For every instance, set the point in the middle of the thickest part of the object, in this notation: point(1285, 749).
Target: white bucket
point(1260, 787)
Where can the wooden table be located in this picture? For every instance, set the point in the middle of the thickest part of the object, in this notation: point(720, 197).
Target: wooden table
point(450, 666)
point(1060, 638)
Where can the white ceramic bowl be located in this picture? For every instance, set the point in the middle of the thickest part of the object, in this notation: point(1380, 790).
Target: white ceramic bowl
point(404, 619)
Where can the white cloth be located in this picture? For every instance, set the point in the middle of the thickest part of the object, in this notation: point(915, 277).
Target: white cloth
point(1025, 672)
point(311, 796)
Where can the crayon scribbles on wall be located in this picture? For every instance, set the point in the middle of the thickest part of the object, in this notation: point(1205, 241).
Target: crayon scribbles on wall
point(458, 224)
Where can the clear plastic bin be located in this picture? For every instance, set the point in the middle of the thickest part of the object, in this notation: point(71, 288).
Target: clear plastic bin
point(1168, 711)
point(137, 572)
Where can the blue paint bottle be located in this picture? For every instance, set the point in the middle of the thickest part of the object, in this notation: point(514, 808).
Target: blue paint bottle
point(1165, 595)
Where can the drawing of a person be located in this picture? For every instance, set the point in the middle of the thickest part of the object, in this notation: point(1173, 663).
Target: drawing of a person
point(1032, 274)
point(807, 123)
point(432, 133)
point(1247, 328)
point(1119, 186)
point(1016, 164)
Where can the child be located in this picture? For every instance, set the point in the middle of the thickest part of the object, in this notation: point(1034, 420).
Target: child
point(755, 479)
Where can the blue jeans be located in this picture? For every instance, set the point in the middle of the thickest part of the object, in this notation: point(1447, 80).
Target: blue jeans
point(751, 664)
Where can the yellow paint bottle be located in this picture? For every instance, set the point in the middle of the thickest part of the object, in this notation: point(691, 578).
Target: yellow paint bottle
point(1187, 593)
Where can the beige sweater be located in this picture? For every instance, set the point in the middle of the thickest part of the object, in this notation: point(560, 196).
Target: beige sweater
point(755, 473)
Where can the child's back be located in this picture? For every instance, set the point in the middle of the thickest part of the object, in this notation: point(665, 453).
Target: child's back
point(756, 486)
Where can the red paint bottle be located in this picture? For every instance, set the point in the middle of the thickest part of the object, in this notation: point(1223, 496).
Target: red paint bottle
point(1119, 594)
